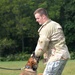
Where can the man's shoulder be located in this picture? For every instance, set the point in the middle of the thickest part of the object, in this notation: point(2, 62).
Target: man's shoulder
point(54, 24)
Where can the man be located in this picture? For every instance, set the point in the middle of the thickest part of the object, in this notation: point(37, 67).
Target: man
point(51, 39)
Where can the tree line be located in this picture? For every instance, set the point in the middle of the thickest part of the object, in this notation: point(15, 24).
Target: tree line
point(18, 29)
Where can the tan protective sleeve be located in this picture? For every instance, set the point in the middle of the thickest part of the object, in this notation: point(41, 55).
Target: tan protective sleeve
point(42, 45)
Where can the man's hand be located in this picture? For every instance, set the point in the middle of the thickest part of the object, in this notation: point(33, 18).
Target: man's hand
point(34, 56)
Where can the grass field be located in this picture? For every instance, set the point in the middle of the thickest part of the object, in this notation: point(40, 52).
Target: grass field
point(69, 68)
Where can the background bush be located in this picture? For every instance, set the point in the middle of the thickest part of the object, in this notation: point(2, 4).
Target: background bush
point(16, 57)
point(25, 56)
point(72, 54)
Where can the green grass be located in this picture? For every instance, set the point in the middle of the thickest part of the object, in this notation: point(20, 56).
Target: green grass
point(69, 68)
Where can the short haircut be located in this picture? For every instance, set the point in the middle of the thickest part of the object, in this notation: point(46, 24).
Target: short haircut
point(41, 11)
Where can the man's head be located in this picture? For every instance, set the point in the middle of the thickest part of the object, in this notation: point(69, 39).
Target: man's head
point(41, 15)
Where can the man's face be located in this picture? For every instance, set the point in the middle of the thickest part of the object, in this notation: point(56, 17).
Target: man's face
point(39, 18)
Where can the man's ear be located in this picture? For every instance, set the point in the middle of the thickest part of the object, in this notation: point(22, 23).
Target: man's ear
point(43, 16)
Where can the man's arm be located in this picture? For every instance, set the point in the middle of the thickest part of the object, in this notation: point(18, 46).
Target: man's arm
point(42, 45)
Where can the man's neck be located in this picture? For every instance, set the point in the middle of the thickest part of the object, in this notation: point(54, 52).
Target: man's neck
point(45, 21)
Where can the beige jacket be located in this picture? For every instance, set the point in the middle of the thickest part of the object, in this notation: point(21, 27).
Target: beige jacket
point(52, 40)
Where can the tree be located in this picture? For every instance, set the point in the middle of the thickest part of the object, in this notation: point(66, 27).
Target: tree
point(18, 28)
point(68, 22)
point(16, 21)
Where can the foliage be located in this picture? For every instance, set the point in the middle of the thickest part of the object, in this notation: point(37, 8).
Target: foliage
point(16, 57)
point(4, 46)
point(72, 55)
point(18, 29)
point(25, 56)
point(67, 19)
